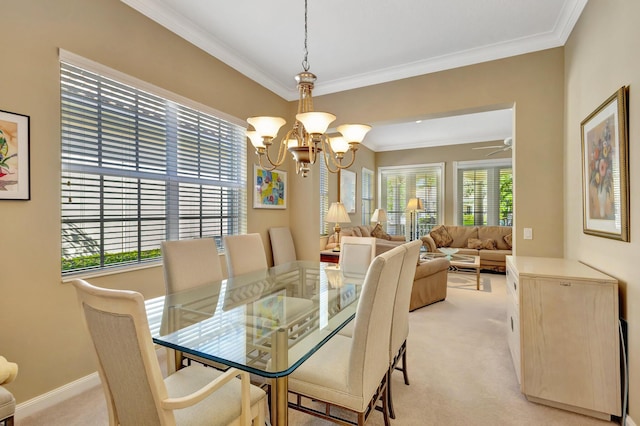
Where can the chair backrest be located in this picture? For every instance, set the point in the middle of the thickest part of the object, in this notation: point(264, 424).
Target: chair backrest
point(244, 253)
point(369, 356)
point(190, 263)
point(127, 362)
point(400, 322)
point(356, 254)
point(282, 247)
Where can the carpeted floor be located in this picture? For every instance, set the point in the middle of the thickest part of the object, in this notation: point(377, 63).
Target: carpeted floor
point(459, 367)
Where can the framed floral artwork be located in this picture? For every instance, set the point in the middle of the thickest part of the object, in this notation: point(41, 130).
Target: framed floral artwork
point(14, 157)
point(270, 188)
point(605, 169)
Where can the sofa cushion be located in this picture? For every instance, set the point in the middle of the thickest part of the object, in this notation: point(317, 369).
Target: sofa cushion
point(474, 243)
point(356, 232)
point(496, 233)
point(494, 255)
point(365, 231)
point(461, 235)
point(508, 239)
point(378, 232)
point(441, 236)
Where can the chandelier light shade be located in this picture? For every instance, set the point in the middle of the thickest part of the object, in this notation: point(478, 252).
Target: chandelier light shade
point(308, 136)
point(337, 214)
point(379, 216)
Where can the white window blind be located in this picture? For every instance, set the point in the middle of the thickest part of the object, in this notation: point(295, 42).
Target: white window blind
point(399, 184)
point(324, 196)
point(484, 193)
point(367, 195)
point(138, 168)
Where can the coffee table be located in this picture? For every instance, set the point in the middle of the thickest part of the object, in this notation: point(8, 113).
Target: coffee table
point(458, 263)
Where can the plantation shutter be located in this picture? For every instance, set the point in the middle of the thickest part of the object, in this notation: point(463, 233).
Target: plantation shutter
point(138, 168)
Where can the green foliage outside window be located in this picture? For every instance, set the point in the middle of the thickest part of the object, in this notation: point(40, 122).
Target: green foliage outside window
point(93, 260)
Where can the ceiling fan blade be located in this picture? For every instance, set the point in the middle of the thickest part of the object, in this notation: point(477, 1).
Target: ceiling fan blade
point(506, 148)
point(488, 147)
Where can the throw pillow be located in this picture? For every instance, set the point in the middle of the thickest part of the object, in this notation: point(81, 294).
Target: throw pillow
point(474, 243)
point(378, 232)
point(441, 236)
point(364, 230)
point(489, 244)
point(507, 239)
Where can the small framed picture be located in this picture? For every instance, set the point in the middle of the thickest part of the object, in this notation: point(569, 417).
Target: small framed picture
point(14, 157)
point(270, 188)
point(605, 169)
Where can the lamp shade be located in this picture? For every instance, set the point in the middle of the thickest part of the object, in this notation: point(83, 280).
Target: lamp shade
point(266, 127)
point(354, 132)
point(414, 204)
point(379, 215)
point(255, 138)
point(339, 144)
point(337, 213)
point(315, 122)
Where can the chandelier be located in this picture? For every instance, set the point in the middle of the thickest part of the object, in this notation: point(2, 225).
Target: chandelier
point(308, 138)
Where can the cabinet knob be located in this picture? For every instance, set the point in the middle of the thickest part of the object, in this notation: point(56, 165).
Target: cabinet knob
point(511, 318)
point(565, 283)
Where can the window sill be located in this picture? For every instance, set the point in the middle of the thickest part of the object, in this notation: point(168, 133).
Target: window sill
point(111, 271)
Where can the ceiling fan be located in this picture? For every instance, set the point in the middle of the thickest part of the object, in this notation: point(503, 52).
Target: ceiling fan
point(508, 142)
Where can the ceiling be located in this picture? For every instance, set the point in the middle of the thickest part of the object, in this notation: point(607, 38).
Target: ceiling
point(356, 43)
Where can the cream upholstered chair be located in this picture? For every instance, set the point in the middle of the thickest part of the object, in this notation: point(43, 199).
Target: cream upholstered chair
point(8, 373)
point(187, 264)
point(132, 381)
point(190, 263)
point(244, 253)
point(356, 254)
point(352, 372)
point(282, 247)
point(400, 322)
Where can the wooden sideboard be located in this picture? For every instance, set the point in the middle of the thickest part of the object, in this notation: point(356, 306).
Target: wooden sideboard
point(563, 334)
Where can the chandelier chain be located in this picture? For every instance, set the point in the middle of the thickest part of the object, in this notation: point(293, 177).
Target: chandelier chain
point(305, 62)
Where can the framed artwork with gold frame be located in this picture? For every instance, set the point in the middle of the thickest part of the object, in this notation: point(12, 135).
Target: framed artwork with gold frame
point(605, 168)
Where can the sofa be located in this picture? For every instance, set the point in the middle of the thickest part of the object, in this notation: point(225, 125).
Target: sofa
point(429, 283)
point(384, 241)
point(491, 243)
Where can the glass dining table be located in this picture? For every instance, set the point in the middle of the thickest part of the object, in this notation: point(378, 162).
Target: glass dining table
point(266, 322)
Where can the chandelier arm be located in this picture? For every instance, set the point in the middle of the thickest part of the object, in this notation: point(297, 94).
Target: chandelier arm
point(267, 168)
point(281, 154)
point(328, 162)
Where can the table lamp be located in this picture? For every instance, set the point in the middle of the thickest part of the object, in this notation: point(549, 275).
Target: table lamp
point(337, 214)
point(379, 216)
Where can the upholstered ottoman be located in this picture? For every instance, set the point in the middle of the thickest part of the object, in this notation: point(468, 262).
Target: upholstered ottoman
point(7, 407)
point(429, 283)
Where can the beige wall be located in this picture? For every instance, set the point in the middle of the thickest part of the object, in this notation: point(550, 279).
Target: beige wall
point(441, 154)
point(599, 59)
point(44, 334)
point(41, 328)
point(533, 84)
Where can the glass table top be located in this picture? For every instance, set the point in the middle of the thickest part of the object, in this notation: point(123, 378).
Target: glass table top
point(266, 322)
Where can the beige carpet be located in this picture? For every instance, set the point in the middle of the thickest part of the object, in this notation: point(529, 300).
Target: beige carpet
point(459, 367)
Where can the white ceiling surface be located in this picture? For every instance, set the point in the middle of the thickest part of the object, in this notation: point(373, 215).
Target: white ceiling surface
point(357, 43)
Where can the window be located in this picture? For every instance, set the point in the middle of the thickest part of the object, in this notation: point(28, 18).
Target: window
point(367, 195)
point(397, 185)
point(139, 168)
point(324, 196)
point(484, 193)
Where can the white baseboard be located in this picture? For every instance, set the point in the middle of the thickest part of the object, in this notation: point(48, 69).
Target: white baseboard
point(630, 422)
point(56, 396)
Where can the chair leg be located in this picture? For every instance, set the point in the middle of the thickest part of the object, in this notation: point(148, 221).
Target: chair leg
point(389, 399)
point(404, 366)
point(385, 406)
